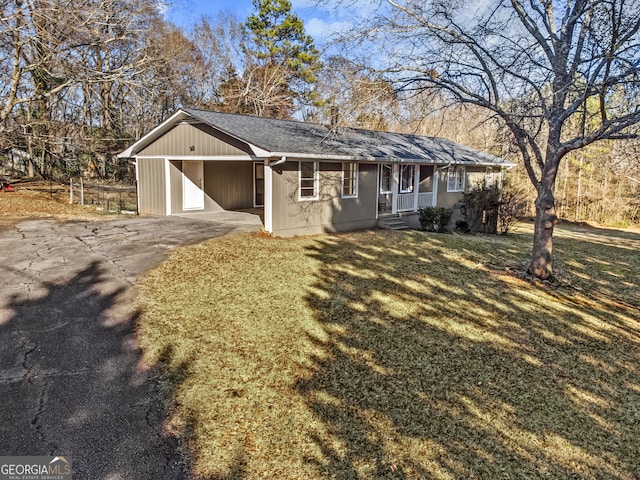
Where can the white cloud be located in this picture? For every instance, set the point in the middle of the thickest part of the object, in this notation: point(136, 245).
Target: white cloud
point(163, 8)
point(305, 4)
point(337, 9)
point(321, 29)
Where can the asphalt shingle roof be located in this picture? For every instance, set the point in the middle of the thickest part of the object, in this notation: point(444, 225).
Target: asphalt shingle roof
point(282, 137)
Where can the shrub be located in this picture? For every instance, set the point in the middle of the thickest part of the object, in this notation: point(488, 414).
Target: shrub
point(479, 208)
point(493, 209)
point(514, 203)
point(435, 219)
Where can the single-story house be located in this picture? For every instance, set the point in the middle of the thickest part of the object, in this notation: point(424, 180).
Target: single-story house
point(308, 178)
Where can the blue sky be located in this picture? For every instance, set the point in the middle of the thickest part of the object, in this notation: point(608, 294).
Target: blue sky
point(187, 12)
point(319, 23)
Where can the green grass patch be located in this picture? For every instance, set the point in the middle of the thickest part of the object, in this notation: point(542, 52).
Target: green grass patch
point(400, 355)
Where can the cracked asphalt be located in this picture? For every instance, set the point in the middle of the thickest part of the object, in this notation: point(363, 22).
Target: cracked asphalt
point(71, 379)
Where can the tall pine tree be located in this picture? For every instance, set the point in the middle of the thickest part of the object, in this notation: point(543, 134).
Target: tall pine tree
point(280, 66)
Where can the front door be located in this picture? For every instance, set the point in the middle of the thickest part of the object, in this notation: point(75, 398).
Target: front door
point(385, 194)
point(192, 185)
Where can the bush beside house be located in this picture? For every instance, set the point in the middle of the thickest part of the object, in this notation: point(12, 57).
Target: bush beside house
point(435, 219)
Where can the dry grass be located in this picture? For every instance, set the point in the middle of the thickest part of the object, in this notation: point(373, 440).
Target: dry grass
point(39, 199)
point(400, 355)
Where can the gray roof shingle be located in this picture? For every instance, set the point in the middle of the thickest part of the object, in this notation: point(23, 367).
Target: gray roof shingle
point(281, 137)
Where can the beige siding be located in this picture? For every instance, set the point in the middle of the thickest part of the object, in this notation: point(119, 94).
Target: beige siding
point(175, 175)
point(329, 212)
point(446, 199)
point(193, 140)
point(151, 186)
point(475, 177)
point(449, 199)
point(229, 184)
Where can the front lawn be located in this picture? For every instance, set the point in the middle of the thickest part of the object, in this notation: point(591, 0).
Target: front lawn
point(400, 355)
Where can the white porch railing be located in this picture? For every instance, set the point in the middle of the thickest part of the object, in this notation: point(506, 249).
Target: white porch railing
point(406, 202)
point(425, 199)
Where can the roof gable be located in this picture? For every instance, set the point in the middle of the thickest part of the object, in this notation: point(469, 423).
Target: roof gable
point(189, 139)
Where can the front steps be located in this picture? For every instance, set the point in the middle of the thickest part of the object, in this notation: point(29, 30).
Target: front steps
point(392, 222)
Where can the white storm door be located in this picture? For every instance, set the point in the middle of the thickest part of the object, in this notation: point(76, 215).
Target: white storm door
point(192, 183)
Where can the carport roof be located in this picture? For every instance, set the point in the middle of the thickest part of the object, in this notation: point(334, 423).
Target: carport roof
point(273, 138)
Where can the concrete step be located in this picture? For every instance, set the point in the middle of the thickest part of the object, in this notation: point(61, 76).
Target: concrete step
point(392, 222)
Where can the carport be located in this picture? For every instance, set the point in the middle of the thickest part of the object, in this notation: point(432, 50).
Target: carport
point(232, 218)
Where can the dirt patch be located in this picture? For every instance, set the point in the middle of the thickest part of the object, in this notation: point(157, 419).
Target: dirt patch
point(41, 199)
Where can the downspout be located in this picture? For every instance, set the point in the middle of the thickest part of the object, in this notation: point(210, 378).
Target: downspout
point(445, 167)
point(268, 200)
point(436, 182)
point(134, 162)
point(277, 162)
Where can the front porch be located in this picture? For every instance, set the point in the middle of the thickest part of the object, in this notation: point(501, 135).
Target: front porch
point(406, 188)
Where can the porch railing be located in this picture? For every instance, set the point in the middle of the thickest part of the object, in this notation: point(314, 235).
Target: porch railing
point(425, 199)
point(406, 202)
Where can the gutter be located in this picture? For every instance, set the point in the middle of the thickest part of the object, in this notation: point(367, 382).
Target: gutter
point(351, 158)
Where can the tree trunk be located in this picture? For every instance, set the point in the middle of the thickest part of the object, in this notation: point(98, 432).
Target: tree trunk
point(577, 217)
point(541, 259)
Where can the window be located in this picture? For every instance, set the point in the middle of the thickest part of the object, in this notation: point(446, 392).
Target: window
point(491, 178)
point(349, 179)
point(455, 179)
point(386, 174)
point(308, 180)
point(406, 178)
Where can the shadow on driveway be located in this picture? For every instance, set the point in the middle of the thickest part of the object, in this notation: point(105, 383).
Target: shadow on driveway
point(71, 382)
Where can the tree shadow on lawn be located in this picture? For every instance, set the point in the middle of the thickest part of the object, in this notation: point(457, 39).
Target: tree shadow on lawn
point(72, 382)
point(600, 261)
point(439, 367)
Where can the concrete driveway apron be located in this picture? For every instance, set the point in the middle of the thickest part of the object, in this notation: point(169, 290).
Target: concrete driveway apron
point(71, 380)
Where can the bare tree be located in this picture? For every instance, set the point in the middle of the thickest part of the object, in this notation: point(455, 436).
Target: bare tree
point(35, 61)
point(355, 96)
point(537, 65)
point(69, 71)
point(218, 41)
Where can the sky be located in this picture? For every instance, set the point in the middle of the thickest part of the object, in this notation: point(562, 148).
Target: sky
point(319, 22)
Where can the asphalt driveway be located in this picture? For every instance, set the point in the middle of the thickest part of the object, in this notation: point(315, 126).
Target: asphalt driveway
point(71, 379)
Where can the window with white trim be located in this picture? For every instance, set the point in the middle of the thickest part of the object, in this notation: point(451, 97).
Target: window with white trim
point(349, 180)
point(455, 179)
point(407, 173)
point(308, 180)
point(386, 175)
